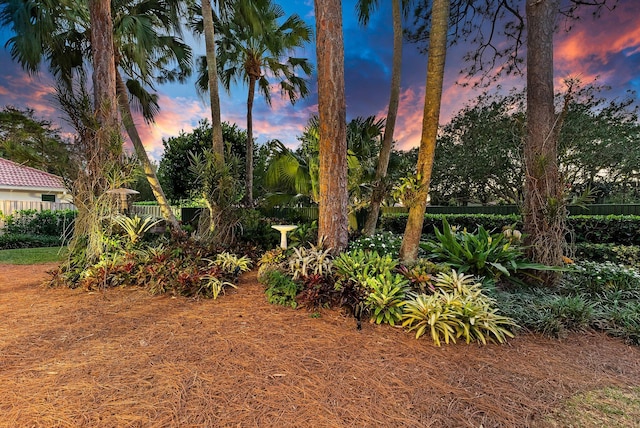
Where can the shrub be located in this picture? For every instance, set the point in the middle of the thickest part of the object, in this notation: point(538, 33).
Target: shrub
point(359, 265)
point(613, 229)
point(45, 223)
point(280, 288)
point(382, 243)
point(619, 254)
point(601, 278)
point(458, 308)
point(610, 229)
point(12, 241)
point(480, 253)
point(421, 273)
point(318, 291)
point(396, 223)
point(231, 264)
point(178, 267)
point(272, 260)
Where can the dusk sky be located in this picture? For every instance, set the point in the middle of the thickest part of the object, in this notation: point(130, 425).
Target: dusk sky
point(608, 47)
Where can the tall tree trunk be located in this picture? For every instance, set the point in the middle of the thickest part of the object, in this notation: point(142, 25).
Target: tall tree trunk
point(544, 206)
point(333, 220)
point(212, 70)
point(432, 102)
point(143, 158)
point(379, 189)
point(104, 71)
point(248, 181)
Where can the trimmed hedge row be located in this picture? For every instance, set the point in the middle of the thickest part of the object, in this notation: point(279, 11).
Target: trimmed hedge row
point(610, 229)
point(13, 241)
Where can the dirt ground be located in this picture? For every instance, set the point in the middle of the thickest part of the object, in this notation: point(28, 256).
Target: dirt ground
point(121, 357)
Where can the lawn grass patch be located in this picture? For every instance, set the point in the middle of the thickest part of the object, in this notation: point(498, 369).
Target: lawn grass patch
point(608, 407)
point(30, 256)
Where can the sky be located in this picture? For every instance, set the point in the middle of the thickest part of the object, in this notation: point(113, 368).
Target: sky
point(607, 49)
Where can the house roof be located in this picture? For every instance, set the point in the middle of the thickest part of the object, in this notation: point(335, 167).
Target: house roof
point(14, 175)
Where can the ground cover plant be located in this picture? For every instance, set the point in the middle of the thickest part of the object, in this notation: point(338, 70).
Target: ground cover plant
point(131, 256)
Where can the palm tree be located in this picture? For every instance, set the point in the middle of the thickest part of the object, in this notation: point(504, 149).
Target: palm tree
point(365, 8)
point(296, 173)
point(145, 42)
point(258, 58)
point(432, 101)
point(332, 108)
point(209, 78)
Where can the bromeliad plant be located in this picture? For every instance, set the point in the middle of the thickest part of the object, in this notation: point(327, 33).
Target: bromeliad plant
point(359, 265)
point(387, 297)
point(482, 254)
point(314, 260)
point(135, 227)
point(368, 284)
point(457, 309)
point(231, 264)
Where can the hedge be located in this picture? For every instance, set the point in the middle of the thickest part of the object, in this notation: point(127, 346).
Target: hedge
point(13, 241)
point(610, 229)
point(46, 223)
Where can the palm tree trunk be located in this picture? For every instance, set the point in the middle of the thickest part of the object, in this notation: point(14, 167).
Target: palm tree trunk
point(149, 172)
point(248, 181)
point(104, 73)
point(212, 70)
point(332, 218)
point(379, 188)
point(432, 102)
point(544, 206)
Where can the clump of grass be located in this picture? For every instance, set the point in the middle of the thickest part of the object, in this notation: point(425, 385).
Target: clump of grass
point(608, 407)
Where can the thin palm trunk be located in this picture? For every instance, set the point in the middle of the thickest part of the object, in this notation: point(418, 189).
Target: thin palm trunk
point(249, 154)
point(432, 102)
point(212, 70)
point(143, 158)
point(379, 189)
point(332, 219)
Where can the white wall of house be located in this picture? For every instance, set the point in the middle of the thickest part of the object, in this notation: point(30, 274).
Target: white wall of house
point(33, 195)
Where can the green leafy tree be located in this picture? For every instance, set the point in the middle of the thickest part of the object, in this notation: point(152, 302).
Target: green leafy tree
point(174, 172)
point(34, 142)
point(479, 153)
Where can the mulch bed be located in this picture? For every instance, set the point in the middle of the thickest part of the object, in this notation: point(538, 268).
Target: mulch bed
point(121, 357)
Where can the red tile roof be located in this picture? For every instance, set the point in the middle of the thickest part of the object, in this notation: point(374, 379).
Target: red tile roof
point(15, 175)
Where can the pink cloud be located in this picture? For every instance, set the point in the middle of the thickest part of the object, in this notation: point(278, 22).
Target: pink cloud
point(591, 44)
point(22, 90)
point(176, 114)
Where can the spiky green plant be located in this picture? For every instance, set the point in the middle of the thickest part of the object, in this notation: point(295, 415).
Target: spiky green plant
point(231, 264)
point(457, 309)
point(135, 227)
point(387, 297)
point(310, 261)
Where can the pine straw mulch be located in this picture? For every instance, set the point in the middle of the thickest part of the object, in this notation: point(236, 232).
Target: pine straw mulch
point(124, 358)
